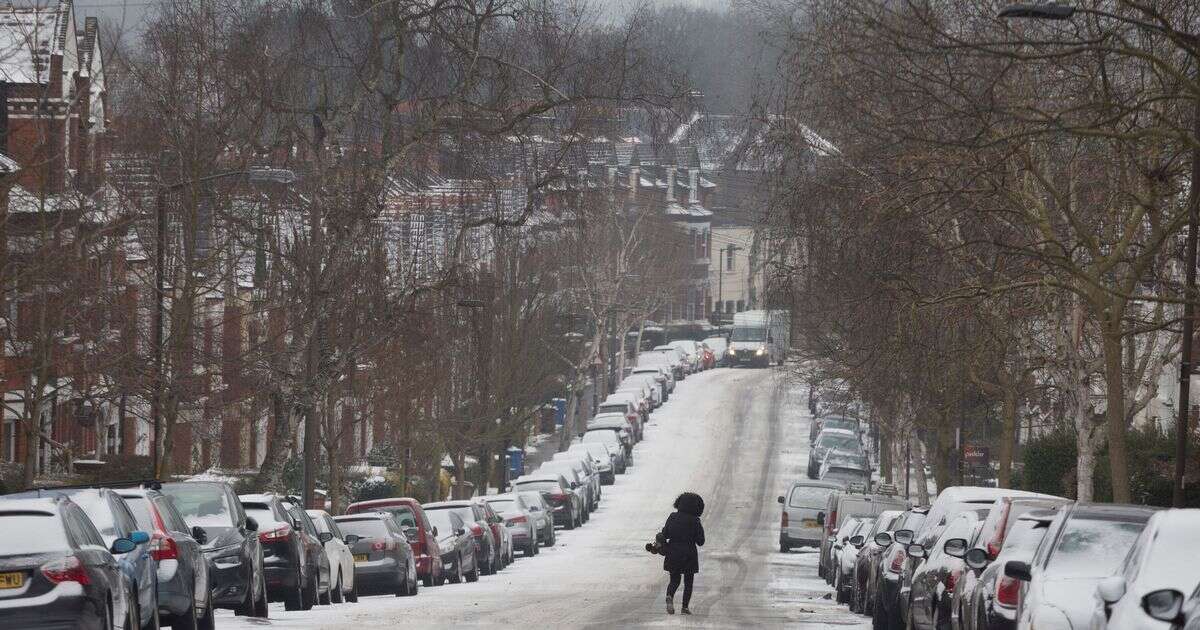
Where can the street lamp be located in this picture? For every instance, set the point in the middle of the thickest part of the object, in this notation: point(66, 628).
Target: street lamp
point(276, 175)
point(1058, 12)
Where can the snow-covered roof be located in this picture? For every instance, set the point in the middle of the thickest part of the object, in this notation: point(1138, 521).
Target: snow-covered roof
point(8, 165)
point(31, 36)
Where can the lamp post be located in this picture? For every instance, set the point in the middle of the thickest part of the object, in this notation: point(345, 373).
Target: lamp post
point(281, 176)
point(1191, 44)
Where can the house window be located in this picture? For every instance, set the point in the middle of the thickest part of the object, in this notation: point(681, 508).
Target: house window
point(729, 306)
point(10, 441)
point(729, 259)
point(717, 306)
point(741, 305)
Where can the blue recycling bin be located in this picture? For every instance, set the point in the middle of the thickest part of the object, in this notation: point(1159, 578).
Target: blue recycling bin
point(560, 411)
point(516, 462)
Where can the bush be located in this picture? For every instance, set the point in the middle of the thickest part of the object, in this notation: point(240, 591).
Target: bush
point(369, 488)
point(124, 468)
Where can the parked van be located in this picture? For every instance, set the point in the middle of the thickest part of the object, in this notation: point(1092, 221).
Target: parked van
point(854, 501)
point(803, 508)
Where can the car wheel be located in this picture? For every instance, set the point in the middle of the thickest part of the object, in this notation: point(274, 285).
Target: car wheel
point(473, 576)
point(325, 598)
point(879, 620)
point(402, 587)
point(784, 547)
point(261, 610)
point(132, 613)
point(294, 599)
point(310, 593)
point(531, 550)
point(414, 585)
point(187, 620)
point(209, 620)
point(553, 538)
point(427, 581)
point(571, 521)
point(457, 576)
point(155, 622)
point(337, 595)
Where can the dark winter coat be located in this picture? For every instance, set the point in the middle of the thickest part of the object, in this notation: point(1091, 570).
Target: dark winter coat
point(683, 533)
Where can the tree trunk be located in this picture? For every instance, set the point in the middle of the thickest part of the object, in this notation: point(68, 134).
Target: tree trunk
point(917, 453)
point(277, 444)
point(1085, 468)
point(1114, 381)
point(1008, 434)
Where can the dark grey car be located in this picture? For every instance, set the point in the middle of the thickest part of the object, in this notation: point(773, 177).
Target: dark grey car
point(233, 552)
point(56, 571)
point(383, 558)
point(114, 520)
point(184, 595)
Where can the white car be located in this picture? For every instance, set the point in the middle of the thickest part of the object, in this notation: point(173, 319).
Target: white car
point(660, 376)
point(518, 521)
point(341, 561)
point(691, 350)
point(660, 361)
point(1147, 591)
point(604, 458)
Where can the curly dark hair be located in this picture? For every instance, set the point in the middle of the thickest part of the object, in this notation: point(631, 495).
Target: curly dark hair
point(690, 503)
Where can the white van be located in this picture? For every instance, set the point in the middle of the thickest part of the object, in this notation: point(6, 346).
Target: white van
point(803, 505)
point(854, 502)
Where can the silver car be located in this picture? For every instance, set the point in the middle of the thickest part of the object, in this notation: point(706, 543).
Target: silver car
point(602, 458)
point(542, 514)
point(518, 521)
point(803, 519)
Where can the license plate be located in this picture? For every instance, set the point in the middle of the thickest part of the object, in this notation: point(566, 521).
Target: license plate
point(808, 522)
point(12, 580)
point(360, 557)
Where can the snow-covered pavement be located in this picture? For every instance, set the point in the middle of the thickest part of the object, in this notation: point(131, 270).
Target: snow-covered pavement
point(735, 436)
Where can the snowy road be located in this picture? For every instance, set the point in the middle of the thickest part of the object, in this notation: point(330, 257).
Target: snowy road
point(735, 436)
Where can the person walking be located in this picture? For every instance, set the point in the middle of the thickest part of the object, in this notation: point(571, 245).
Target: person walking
point(679, 539)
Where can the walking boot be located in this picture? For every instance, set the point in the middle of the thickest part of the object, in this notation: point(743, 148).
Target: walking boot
point(670, 606)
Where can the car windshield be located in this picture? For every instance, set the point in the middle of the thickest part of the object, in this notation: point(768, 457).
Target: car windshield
point(1023, 538)
point(260, 512)
point(441, 520)
point(600, 436)
point(749, 334)
point(364, 528)
point(840, 423)
point(31, 533)
point(844, 474)
point(613, 408)
point(838, 442)
point(504, 505)
point(404, 514)
point(201, 505)
point(540, 486)
point(1091, 547)
point(809, 497)
point(140, 506)
point(464, 512)
point(532, 499)
point(98, 510)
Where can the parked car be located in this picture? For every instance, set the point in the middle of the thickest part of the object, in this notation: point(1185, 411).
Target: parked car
point(1001, 518)
point(57, 572)
point(500, 533)
point(869, 550)
point(383, 558)
point(314, 550)
point(576, 481)
point(803, 515)
point(991, 604)
point(292, 572)
point(612, 440)
point(885, 609)
point(832, 440)
point(487, 552)
point(1147, 590)
point(673, 358)
point(845, 469)
point(661, 375)
point(184, 594)
point(720, 349)
point(457, 543)
point(842, 504)
point(935, 579)
point(542, 515)
point(233, 552)
point(844, 555)
point(603, 459)
point(588, 471)
point(341, 559)
point(691, 353)
point(518, 519)
point(568, 506)
point(618, 424)
point(651, 382)
point(686, 365)
point(425, 548)
point(114, 520)
point(623, 404)
point(1084, 544)
point(949, 502)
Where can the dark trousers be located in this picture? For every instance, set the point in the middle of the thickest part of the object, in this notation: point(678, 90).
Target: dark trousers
point(673, 585)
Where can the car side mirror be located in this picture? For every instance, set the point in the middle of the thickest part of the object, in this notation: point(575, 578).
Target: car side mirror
point(139, 537)
point(976, 558)
point(325, 537)
point(1164, 605)
point(903, 536)
point(821, 518)
point(858, 540)
point(915, 550)
point(410, 533)
point(780, 499)
point(1018, 570)
point(350, 539)
point(574, 485)
point(955, 547)
point(200, 535)
point(883, 539)
point(1111, 589)
point(122, 545)
point(251, 524)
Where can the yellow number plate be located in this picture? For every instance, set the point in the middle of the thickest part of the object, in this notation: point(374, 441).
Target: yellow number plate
point(12, 580)
point(808, 522)
point(360, 557)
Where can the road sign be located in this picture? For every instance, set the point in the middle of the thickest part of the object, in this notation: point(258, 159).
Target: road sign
point(973, 454)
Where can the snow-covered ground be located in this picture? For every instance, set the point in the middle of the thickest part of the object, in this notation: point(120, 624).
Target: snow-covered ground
point(737, 437)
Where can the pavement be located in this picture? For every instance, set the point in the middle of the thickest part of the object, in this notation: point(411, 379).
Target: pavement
point(737, 437)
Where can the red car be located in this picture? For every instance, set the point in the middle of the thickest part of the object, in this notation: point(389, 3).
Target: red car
point(425, 546)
